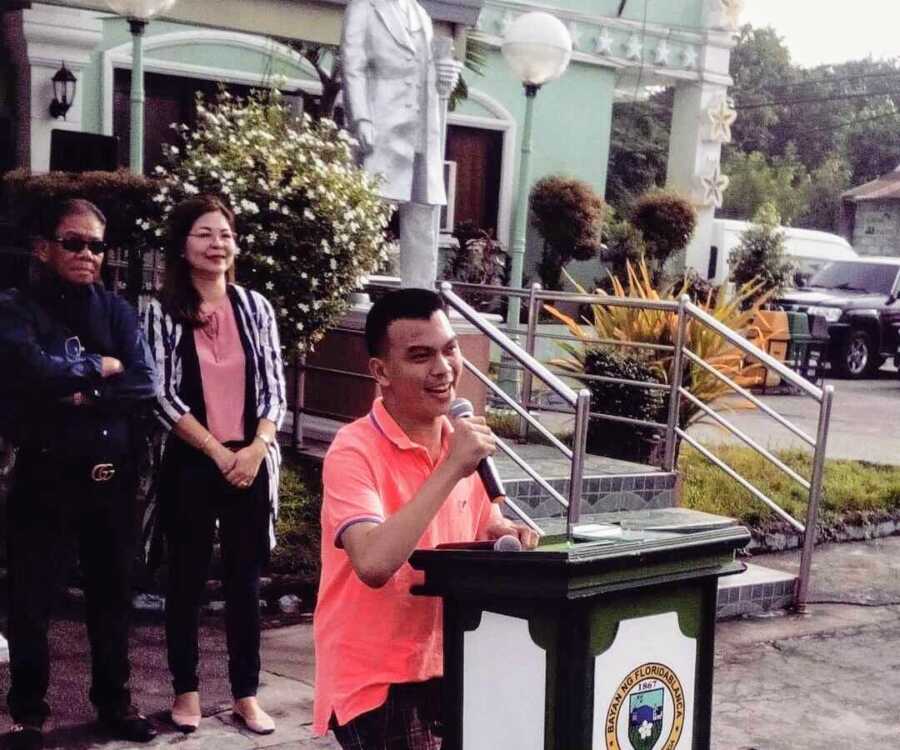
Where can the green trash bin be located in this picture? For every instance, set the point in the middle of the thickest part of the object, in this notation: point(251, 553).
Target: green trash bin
point(602, 642)
point(806, 349)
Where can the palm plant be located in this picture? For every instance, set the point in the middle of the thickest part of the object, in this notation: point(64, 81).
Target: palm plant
point(610, 324)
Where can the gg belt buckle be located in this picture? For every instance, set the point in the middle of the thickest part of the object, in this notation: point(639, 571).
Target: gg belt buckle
point(103, 472)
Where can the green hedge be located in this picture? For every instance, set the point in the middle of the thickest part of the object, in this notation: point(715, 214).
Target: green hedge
point(124, 198)
point(298, 531)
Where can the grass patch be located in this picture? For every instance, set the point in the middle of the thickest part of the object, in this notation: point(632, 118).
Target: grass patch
point(849, 487)
point(298, 529)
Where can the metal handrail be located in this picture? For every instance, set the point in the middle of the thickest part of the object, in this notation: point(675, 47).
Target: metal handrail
point(506, 343)
point(749, 486)
point(763, 357)
point(686, 312)
point(758, 403)
point(774, 460)
point(580, 401)
point(513, 404)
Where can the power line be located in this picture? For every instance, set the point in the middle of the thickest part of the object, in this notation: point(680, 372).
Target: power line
point(851, 123)
point(815, 100)
point(831, 80)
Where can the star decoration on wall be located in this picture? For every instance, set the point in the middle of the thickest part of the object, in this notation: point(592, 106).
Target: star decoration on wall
point(504, 23)
point(603, 43)
point(634, 49)
point(731, 11)
point(689, 57)
point(575, 34)
point(661, 55)
point(721, 117)
point(713, 187)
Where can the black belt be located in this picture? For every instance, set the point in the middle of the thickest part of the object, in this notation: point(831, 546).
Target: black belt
point(46, 460)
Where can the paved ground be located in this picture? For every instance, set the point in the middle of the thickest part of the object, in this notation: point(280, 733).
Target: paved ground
point(865, 421)
point(825, 680)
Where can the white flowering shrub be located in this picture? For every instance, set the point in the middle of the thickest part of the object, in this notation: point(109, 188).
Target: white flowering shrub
point(310, 223)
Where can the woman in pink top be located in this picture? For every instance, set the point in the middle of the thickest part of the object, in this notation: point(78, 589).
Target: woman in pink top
point(222, 395)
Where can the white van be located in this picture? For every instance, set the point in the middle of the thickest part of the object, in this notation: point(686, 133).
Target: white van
point(808, 249)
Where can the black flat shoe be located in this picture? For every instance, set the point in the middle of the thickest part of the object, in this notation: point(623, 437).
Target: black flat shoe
point(131, 727)
point(24, 738)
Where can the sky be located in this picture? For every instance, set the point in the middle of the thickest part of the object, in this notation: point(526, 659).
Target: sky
point(830, 31)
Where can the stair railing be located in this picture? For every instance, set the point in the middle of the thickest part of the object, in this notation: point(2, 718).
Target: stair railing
point(578, 403)
point(687, 313)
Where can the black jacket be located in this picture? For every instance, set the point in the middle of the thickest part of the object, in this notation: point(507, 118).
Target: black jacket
point(52, 338)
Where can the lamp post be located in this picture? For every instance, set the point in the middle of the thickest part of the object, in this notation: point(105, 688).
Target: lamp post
point(138, 13)
point(538, 47)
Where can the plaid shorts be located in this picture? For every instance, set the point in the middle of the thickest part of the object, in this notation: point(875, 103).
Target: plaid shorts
point(408, 720)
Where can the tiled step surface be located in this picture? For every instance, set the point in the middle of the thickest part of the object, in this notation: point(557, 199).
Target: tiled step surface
point(608, 484)
point(756, 591)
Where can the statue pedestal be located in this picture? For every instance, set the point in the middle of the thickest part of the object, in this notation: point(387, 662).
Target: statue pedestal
point(338, 385)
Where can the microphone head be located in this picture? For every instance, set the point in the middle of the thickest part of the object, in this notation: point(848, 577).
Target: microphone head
point(507, 543)
point(460, 408)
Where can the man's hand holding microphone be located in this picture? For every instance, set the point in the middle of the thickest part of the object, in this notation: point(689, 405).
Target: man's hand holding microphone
point(471, 447)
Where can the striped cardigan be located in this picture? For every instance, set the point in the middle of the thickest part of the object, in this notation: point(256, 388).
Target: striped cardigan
point(256, 320)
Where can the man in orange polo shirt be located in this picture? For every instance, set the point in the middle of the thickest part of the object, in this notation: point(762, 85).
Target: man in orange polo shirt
point(399, 479)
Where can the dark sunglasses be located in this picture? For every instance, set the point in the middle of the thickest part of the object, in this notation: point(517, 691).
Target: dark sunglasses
point(77, 244)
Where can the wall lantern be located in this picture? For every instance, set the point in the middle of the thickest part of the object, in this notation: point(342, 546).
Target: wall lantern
point(64, 84)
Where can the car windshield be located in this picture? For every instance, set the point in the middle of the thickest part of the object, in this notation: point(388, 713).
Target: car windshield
point(854, 276)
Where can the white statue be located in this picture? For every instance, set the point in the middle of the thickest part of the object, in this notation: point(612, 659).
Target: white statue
point(395, 95)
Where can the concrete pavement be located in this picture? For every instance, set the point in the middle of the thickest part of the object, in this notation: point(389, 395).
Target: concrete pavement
point(864, 420)
point(827, 679)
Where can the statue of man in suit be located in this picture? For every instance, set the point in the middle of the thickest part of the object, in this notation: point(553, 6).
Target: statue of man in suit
point(392, 91)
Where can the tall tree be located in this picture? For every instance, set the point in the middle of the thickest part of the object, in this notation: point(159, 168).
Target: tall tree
point(760, 63)
point(781, 181)
point(639, 148)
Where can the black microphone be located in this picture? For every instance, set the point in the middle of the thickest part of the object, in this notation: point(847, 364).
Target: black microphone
point(462, 409)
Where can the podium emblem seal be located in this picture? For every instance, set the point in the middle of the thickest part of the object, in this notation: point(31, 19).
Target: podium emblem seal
point(647, 711)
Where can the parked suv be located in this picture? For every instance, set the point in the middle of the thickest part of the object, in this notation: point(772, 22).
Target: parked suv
point(859, 300)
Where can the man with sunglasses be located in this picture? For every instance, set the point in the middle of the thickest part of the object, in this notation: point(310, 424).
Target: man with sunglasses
point(76, 374)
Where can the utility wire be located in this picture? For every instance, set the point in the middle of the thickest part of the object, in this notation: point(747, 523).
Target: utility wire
point(831, 80)
point(816, 100)
point(851, 123)
point(637, 83)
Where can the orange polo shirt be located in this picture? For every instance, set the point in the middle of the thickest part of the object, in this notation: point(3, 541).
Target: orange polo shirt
point(368, 639)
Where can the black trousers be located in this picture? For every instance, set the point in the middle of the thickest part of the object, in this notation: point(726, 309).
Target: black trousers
point(55, 511)
point(194, 496)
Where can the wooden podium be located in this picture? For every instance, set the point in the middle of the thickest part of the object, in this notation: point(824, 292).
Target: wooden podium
point(581, 645)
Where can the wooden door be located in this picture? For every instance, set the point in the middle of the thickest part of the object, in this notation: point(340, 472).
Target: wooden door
point(478, 154)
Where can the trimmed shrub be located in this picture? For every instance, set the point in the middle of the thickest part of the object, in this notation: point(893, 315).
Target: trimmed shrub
point(123, 197)
point(623, 245)
point(760, 257)
point(615, 439)
point(568, 213)
point(666, 222)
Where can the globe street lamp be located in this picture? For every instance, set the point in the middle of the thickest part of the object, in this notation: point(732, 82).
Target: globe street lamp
point(537, 47)
point(138, 13)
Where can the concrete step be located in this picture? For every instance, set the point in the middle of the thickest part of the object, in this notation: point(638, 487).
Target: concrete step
point(609, 484)
point(756, 591)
